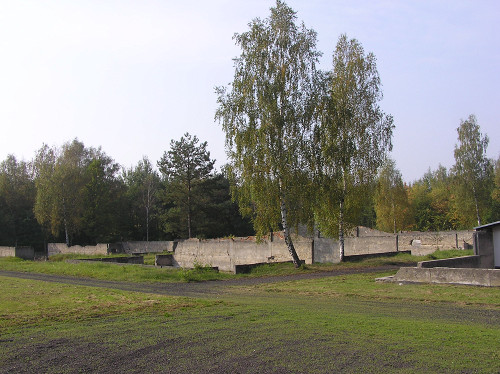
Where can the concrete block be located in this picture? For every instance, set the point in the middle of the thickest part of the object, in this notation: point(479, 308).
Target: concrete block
point(477, 277)
point(411, 274)
point(7, 251)
point(26, 253)
point(164, 260)
point(442, 275)
point(494, 277)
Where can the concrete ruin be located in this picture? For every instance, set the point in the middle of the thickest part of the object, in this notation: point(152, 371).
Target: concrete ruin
point(231, 254)
point(481, 269)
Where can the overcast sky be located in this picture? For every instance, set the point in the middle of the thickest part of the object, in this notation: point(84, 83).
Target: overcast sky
point(130, 75)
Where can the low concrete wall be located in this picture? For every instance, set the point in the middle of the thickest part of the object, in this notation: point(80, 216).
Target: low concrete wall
point(367, 241)
point(164, 260)
point(456, 262)
point(476, 277)
point(7, 251)
point(147, 247)
point(424, 243)
point(227, 253)
point(369, 245)
point(26, 253)
point(137, 260)
point(62, 248)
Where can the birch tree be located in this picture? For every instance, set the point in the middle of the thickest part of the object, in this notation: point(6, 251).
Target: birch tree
point(391, 199)
point(266, 114)
point(473, 169)
point(60, 181)
point(143, 185)
point(353, 134)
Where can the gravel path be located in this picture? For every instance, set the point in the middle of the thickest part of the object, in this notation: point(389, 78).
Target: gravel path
point(191, 289)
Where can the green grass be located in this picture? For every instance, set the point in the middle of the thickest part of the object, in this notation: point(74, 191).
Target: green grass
point(346, 324)
point(99, 270)
point(364, 286)
point(24, 302)
point(109, 271)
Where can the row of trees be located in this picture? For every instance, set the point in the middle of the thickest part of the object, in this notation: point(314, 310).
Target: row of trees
point(465, 196)
point(310, 146)
point(80, 195)
point(303, 144)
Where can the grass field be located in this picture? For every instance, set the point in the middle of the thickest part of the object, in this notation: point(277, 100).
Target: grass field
point(347, 323)
point(101, 270)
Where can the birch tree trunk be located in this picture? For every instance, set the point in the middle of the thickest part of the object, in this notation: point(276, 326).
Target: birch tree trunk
point(341, 230)
point(286, 230)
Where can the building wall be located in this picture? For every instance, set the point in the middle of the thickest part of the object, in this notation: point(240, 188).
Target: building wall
point(496, 246)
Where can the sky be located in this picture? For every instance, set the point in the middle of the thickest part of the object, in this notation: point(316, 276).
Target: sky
point(130, 75)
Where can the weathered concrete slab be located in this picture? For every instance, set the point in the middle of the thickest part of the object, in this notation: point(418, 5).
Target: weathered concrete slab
point(476, 277)
point(137, 260)
point(164, 260)
point(7, 251)
point(456, 262)
point(410, 274)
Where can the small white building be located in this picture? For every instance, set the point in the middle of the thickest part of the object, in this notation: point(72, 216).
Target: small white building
point(487, 244)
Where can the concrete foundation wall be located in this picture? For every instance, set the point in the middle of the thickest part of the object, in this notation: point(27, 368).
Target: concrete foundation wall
point(62, 248)
point(423, 243)
point(147, 247)
point(227, 253)
point(164, 260)
point(369, 245)
point(371, 241)
point(476, 277)
point(456, 262)
point(26, 253)
point(326, 250)
point(7, 251)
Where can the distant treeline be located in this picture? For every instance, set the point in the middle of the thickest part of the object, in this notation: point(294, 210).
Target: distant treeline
point(79, 195)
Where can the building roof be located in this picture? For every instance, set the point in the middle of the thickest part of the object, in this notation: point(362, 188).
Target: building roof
point(487, 226)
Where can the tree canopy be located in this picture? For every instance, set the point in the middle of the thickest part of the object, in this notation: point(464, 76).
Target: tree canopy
point(353, 134)
point(185, 166)
point(474, 171)
point(266, 115)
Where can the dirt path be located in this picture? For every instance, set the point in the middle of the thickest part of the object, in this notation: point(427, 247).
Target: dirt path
point(192, 289)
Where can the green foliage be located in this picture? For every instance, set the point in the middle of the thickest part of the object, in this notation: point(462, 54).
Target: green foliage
point(185, 167)
point(474, 173)
point(432, 201)
point(266, 115)
point(391, 199)
point(18, 225)
point(77, 192)
point(143, 190)
point(199, 273)
point(351, 138)
point(218, 215)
